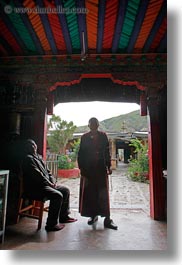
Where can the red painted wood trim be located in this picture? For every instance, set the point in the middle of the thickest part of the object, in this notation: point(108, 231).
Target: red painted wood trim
point(95, 75)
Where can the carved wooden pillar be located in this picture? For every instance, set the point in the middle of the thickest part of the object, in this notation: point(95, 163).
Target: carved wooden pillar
point(143, 104)
point(50, 103)
point(157, 185)
point(40, 123)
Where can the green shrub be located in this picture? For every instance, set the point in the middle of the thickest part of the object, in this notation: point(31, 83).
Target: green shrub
point(75, 147)
point(138, 167)
point(65, 162)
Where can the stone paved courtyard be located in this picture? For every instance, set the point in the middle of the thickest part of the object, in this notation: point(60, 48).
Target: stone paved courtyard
point(124, 193)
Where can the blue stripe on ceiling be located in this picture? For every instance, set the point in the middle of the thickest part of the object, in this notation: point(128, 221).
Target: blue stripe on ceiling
point(138, 23)
point(21, 29)
point(71, 18)
point(128, 24)
point(163, 44)
point(119, 24)
point(12, 29)
point(82, 25)
point(6, 46)
point(100, 30)
point(156, 27)
point(64, 26)
point(31, 31)
point(47, 28)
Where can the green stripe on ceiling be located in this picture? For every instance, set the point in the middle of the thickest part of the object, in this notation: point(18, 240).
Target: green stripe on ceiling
point(73, 25)
point(17, 22)
point(128, 24)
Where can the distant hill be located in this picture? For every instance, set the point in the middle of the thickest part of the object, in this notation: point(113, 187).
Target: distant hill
point(131, 122)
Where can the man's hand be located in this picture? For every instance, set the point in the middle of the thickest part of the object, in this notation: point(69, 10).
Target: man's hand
point(53, 185)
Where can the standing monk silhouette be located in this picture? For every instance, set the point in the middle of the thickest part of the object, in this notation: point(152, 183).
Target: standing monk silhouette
point(94, 161)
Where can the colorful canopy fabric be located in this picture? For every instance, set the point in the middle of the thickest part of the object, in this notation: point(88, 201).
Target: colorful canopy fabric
point(65, 27)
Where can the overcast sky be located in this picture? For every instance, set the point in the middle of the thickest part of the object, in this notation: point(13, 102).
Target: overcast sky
point(81, 112)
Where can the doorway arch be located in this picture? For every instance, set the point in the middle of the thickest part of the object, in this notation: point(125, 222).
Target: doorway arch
point(105, 87)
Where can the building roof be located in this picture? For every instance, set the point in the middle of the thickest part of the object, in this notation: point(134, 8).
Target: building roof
point(119, 135)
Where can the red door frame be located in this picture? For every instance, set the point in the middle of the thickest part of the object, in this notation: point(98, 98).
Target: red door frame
point(157, 201)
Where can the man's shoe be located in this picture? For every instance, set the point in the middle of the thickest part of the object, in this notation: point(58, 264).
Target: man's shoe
point(92, 220)
point(110, 224)
point(68, 219)
point(57, 227)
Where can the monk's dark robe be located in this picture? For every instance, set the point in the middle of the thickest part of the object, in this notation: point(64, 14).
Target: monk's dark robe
point(94, 160)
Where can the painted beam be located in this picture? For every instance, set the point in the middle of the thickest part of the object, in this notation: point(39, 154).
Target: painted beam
point(82, 26)
point(47, 28)
point(30, 29)
point(128, 24)
point(6, 46)
point(156, 27)
point(11, 28)
point(100, 31)
point(63, 22)
point(119, 24)
point(163, 44)
point(139, 20)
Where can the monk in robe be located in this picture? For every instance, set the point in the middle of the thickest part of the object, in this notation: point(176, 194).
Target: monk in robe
point(94, 162)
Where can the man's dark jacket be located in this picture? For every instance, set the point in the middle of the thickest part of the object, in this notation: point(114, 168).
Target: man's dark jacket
point(36, 176)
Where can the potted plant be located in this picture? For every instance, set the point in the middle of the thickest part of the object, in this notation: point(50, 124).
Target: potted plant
point(66, 167)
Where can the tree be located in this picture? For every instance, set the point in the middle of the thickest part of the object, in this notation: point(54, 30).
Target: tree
point(138, 167)
point(60, 132)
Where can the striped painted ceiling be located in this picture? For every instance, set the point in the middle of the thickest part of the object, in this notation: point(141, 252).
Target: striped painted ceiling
point(68, 27)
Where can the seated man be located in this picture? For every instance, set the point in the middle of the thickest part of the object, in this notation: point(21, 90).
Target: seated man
point(39, 183)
